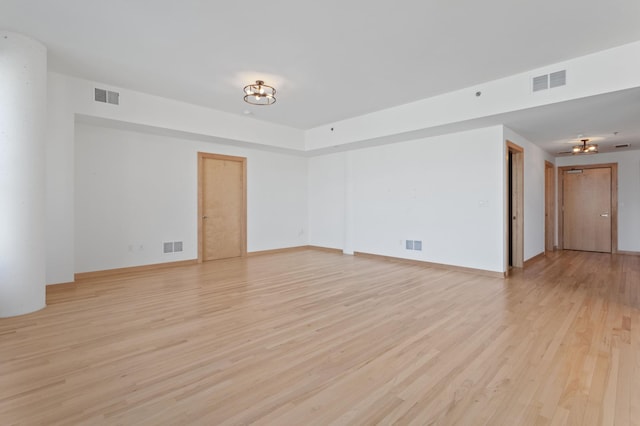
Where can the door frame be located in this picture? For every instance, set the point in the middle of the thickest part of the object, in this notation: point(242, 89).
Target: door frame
point(614, 201)
point(549, 206)
point(517, 207)
point(202, 156)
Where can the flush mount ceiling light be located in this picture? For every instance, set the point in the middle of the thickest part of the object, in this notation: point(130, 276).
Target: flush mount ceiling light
point(259, 94)
point(585, 148)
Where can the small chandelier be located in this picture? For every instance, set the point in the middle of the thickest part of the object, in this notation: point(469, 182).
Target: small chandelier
point(585, 148)
point(259, 94)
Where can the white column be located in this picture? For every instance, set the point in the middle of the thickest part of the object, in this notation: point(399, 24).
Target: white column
point(23, 108)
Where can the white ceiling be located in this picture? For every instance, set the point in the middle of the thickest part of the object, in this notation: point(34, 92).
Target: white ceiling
point(607, 120)
point(331, 60)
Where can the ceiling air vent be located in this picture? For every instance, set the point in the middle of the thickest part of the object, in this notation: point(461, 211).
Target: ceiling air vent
point(624, 145)
point(107, 96)
point(549, 81)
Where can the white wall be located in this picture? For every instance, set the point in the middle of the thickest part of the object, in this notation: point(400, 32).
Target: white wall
point(534, 170)
point(133, 191)
point(446, 191)
point(60, 183)
point(327, 198)
point(277, 199)
point(628, 192)
point(69, 96)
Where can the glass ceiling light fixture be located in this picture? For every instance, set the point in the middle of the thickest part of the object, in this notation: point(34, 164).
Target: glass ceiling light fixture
point(585, 148)
point(259, 94)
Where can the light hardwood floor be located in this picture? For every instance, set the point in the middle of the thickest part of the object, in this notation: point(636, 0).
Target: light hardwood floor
point(310, 337)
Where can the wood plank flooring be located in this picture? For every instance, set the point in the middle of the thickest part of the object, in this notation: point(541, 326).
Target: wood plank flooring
point(316, 338)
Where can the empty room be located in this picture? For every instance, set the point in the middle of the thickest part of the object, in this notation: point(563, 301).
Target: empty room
point(319, 213)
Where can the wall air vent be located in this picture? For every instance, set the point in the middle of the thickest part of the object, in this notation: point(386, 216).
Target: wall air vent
point(624, 145)
point(549, 81)
point(107, 96)
point(557, 79)
point(114, 98)
point(101, 95)
point(541, 83)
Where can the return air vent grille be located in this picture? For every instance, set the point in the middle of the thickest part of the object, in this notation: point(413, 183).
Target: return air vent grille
point(557, 79)
point(541, 83)
point(549, 81)
point(101, 95)
point(114, 98)
point(107, 96)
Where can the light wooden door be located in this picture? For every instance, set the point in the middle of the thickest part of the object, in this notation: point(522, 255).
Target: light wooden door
point(587, 209)
point(222, 206)
point(515, 210)
point(549, 207)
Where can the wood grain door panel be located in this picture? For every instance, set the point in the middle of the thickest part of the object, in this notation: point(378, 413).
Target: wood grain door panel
point(549, 207)
point(223, 207)
point(587, 210)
